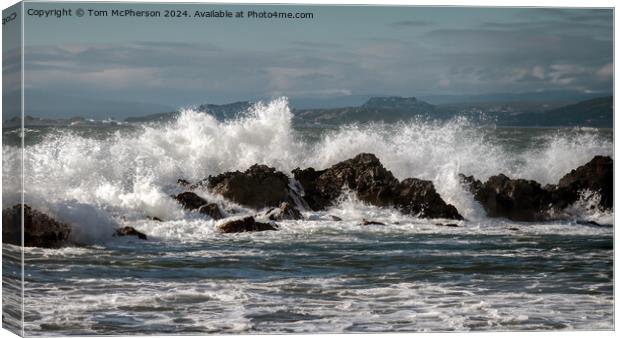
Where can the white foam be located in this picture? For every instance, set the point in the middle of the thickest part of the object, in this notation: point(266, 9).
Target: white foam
point(131, 175)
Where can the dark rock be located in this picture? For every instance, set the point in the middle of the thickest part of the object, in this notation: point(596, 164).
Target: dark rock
point(596, 176)
point(363, 174)
point(258, 187)
point(370, 222)
point(513, 229)
point(182, 182)
point(213, 210)
point(335, 218)
point(526, 200)
point(307, 180)
point(157, 219)
point(373, 184)
point(592, 223)
point(40, 230)
point(472, 184)
point(129, 231)
point(199, 185)
point(190, 200)
point(517, 200)
point(418, 197)
point(450, 225)
point(285, 212)
point(245, 225)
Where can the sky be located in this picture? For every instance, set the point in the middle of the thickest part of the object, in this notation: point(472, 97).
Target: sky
point(342, 51)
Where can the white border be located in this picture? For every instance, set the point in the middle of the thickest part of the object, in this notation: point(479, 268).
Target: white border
point(470, 3)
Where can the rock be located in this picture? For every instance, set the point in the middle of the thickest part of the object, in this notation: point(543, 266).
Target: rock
point(450, 225)
point(307, 180)
point(183, 183)
point(199, 185)
point(363, 174)
point(157, 219)
point(472, 184)
point(129, 231)
point(258, 187)
point(40, 230)
point(367, 222)
point(596, 176)
point(517, 200)
point(190, 200)
point(245, 225)
point(211, 209)
point(418, 197)
point(335, 218)
point(284, 212)
point(526, 200)
point(373, 184)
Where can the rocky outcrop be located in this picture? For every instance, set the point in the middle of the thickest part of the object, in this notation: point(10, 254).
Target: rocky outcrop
point(515, 199)
point(418, 197)
point(258, 187)
point(371, 222)
point(285, 212)
point(40, 230)
point(526, 200)
point(307, 179)
point(246, 224)
point(213, 210)
point(373, 184)
point(596, 176)
point(129, 231)
point(191, 201)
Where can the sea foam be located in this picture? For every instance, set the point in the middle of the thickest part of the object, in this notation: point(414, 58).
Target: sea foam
point(131, 175)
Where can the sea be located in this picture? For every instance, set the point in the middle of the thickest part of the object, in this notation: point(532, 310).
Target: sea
point(315, 275)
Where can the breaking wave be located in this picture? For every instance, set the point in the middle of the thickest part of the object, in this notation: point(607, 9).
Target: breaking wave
point(129, 176)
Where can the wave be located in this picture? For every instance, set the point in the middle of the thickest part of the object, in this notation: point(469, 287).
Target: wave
point(131, 176)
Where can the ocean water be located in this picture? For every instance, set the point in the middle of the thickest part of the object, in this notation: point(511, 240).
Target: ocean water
point(314, 275)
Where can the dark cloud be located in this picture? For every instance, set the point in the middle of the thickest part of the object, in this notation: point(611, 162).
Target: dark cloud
point(540, 50)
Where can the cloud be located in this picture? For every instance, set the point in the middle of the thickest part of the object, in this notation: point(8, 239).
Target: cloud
point(531, 52)
point(606, 72)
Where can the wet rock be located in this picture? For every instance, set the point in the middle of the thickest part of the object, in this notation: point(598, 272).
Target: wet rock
point(419, 197)
point(515, 199)
point(596, 176)
point(335, 218)
point(307, 180)
point(364, 174)
point(371, 222)
point(258, 187)
point(373, 184)
point(285, 212)
point(40, 230)
point(211, 209)
point(245, 225)
point(449, 225)
point(183, 183)
point(157, 219)
point(190, 200)
point(526, 200)
point(129, 231)
point(471, 183)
